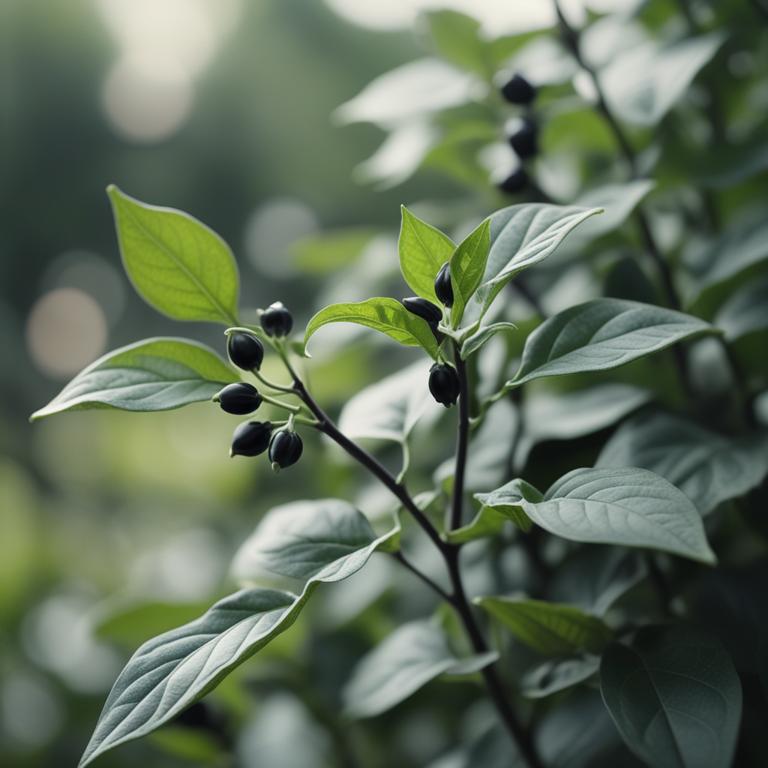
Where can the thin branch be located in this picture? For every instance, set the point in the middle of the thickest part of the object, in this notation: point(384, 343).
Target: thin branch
point(462, 441)
point(433, 585)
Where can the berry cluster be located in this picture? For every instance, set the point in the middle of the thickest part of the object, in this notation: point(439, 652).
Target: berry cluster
point(443, 379)
point(522, 132)
point(251, 438)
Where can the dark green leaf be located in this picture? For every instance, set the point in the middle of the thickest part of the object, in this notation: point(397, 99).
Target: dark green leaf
point(746, 311)
point(152, 375)
point(557, 675)
point(674, 696)
point(177, 264)
point(706, 466)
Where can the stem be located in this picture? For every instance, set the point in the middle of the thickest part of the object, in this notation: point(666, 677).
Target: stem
point(294, 409)
point(461, 441)
point(517, 732)
point(433, 585)
point(270, 384)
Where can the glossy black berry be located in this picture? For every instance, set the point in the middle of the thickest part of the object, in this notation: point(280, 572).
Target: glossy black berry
point(276, 320)
point(239, 398)
point(524, 138)
point(443, 287)
point(245, 350)
point(285, 449)
point(516, 182)
point(517, 90)
point(424, 309)
point(251, 438)
point(444, 384)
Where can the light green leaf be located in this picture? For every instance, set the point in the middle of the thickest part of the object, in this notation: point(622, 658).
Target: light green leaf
point(475, 342)
point(632, 507)
point(487, 522)
point(386, 315)
point(521, 236)
point(152, 375)
point(602, 334)
point(558, 675)
point(675, 697)
point(408, 659)
point(177, 264)
point(457, 39)
point(322, 539)
point(706, 466)
point(506, 501)
point(551, 629)
point(423, 250)
point(331, 250)
point(746, 311)
point(468, 267)
point(643, 83)
point(174, 670)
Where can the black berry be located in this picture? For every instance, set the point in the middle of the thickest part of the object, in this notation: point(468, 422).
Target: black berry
point(524, 138)
point(276, 320)
point(239, 398)
point(517, 90)
point(444, 384)
point(516, 182)
point(285, 449)
point(251, 438)
point(423, 309)
point(443, 287)
point(245, 351)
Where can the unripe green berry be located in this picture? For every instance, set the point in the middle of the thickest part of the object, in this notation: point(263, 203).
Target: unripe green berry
point(245, 350)
point(444, 384)
point(285, 449)
point(251, 438)
point(239, 398)
point(276, 320)
point(443, 287)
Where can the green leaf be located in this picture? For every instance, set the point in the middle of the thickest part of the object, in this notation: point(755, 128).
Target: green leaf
point(557, 675)
point(633, 507)
point(177, 264)
point(386, 315)
point(551, 629)
point(521, 236)
point(332, 250)
point(468, 267)
point(151, 375)
point(506, 501)
point(602, 334)
point(172, 671)
point(390, 408)
point(423, 250)
point(706, 466)
point(408, 659)
point(487, 522)
point(675, 697)
point(746, 311)
point(644, 82)
point(476, 341)
point(457, 39)
point(322, 539)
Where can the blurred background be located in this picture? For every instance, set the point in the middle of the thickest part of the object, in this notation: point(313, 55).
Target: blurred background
point(115, 527)
point(127, 523)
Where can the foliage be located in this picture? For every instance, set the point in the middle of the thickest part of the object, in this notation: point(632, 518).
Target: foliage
point(640, 524)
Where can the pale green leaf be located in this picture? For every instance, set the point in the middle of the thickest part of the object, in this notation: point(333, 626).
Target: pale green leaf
point(521, 236)
point(746, 311)
point(674, 696)
point(709, 468)
point(174, 670)
point(153, 375)
point(557, 675)
point(551, 629)
point(386, 315)
point(423, 249)
point(408, 659)
point(177, 264)
point(602, 334)
point(632, 507)
point(484, 334)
